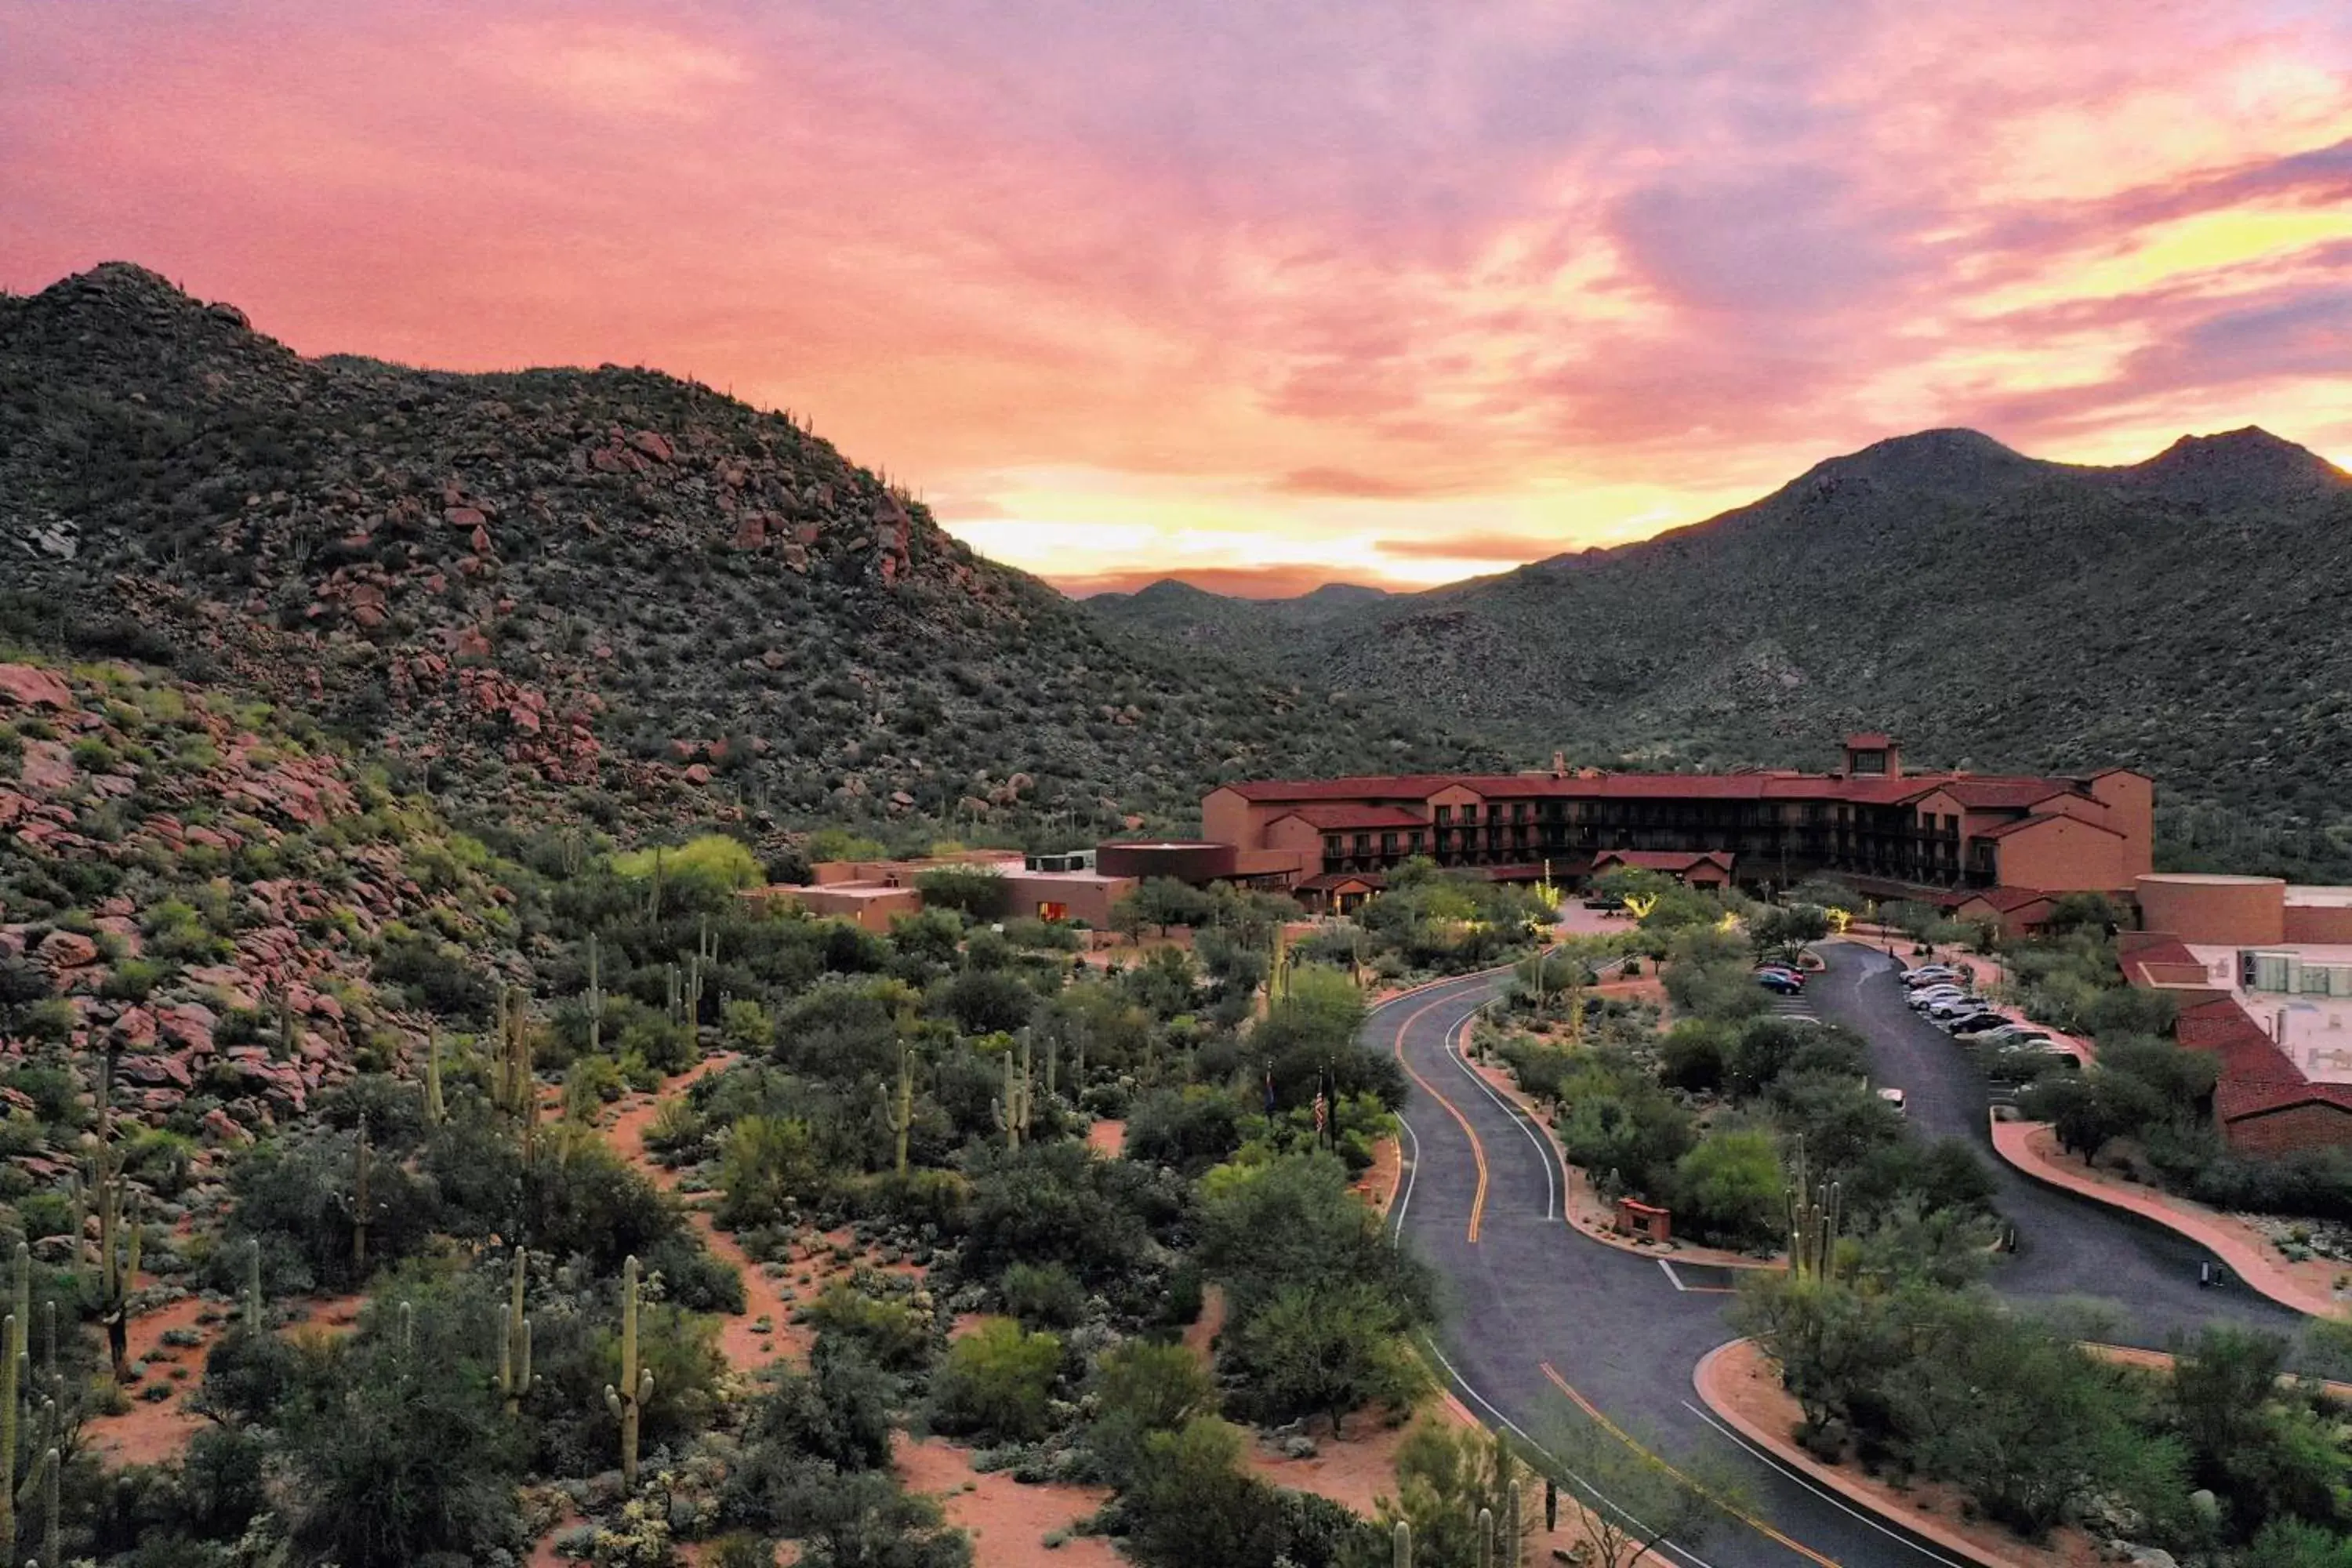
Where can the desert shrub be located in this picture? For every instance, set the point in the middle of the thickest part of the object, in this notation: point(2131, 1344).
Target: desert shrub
point(996, 1381)
point(1043, 1294)
point(895, 1335)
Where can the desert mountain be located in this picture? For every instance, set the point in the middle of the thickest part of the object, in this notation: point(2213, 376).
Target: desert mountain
point(2188, 615)
point(627, 587)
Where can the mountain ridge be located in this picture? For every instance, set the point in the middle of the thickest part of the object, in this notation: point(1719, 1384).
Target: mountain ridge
point(603, 592)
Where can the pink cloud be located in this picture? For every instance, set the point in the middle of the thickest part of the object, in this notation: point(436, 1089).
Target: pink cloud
point(1357, 253)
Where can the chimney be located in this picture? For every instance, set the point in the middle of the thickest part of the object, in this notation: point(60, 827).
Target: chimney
point(1560, 764)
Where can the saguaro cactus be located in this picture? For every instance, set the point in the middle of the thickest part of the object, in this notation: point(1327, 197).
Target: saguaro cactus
point(361, 1200)
point(1486, 1538)
point(596, 1000)
point(1514, 1527)
point(437, 1110)
point(50, 1553)
point(256, 1309)
point(629, 1409)
point(1813, 1223)
point(1401, 1546)
point(10, 1395)
point(898, 1105)
point(1012, 1108)
point(77, 1223)
point(514, 1344)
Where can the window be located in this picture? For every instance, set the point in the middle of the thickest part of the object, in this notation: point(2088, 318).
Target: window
point(1388, 843)
point(1469, 813)
point(1363, 843)
point(1049, 911)
point(1330, 844)
point(1518, 811)
point(1416, 841)
point(1445, 816)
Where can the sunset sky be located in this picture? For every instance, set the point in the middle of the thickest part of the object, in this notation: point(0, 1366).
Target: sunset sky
point(1258, 294)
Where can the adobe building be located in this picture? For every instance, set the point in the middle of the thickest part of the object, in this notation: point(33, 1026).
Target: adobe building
point(1066, 887)
point(1700, 869)
point(1937, 835)
point(2263, 969)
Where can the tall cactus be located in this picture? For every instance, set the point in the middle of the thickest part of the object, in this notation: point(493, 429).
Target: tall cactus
point(20, 1321)
point(1814, 1220)
point(362, 1202)
point(514, 1344)
point(77, 1224)
point(1401, 1546)
point(9, 1398)
point(257, 1307)
point(1514, 1527)
point(596, 1000)
point(50, 1516)
point(1486, 1538)
point(669, 978)
point(436, 1110)
point(1013, 1106)
point(898, 1105)
point(629, 1409)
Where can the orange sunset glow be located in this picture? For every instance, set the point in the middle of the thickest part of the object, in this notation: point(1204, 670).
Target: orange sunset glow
point(1257, 296)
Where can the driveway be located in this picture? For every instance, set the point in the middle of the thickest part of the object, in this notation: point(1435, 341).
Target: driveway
point(1535, 1316)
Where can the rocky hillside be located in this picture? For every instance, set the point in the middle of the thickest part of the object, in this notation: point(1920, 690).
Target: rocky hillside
point(656, 600)
point(2188, 614)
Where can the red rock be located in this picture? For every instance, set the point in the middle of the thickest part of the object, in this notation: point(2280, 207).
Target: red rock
point(151, 1068)
point(772, 658)
point(655, 446)
point(481, 541)
point(751, 531)
point(472, 644)
point(606, 460)
point(63, 949)
point(698, 775)
point(463, 516)
point(30, 688)
point(225, 1128)
point(523, 719)
point(189, 1023)
point(807, 533)
point(47, 767)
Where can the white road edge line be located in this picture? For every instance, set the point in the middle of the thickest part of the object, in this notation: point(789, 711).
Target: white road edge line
point(1673, 1277)
point(1590, 1489)
point(1819, 1490)
point(1518, 1117)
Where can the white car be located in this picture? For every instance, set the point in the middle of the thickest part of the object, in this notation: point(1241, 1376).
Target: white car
point(1923, 1000)
point(1930, 976)
point(1892, 1097)
point(1946, 1014)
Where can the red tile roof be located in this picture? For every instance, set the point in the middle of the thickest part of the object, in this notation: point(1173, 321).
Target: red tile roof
point(2008, 900)
point(1662, 859)
point(2001, 789)
point(1338, 817)
point(1330, 882)
point(1869, 740)
point(2256, 1078)
point(2006, 794)
point(2038, 819)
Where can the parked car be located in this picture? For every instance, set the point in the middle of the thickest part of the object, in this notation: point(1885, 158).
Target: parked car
point(1979, 1022)
point(1923, 1000)
point(1950, 1022)
point(1930, 973)
point(1782, 984)
point(1894, 1097)
point(1781, 970)
point(1953, 1010)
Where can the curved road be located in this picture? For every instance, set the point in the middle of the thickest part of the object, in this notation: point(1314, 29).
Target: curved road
point(1540, 1320)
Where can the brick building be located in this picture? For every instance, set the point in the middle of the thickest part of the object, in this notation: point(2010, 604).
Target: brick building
point(1934, 835)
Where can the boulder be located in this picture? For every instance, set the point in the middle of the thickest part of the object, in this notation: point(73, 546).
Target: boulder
point(64, 950)
point(656, 446)
point(26, 687)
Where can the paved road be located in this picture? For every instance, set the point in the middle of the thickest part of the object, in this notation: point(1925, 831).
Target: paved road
point(2067, 1247)
point(1535, 1310)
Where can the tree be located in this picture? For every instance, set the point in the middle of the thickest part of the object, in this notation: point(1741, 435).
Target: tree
point(977, 892)
point(1142, 1387)
point(1731, 1186)
point(1650, 1503)
point(1326, 1349)
point(996, 1380)
point(1193, 1504)
point(398, 1452)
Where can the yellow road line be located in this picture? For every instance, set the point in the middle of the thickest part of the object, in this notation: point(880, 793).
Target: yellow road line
point(1807, 1552)
point(1478, 1150)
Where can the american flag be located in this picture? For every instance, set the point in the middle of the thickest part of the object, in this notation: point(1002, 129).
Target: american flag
point(1322, 1111)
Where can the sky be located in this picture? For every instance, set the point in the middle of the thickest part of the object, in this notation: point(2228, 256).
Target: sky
point(1262, 296)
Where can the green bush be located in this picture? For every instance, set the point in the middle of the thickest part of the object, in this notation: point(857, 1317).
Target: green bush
point(996, 1382)
point(895, 1335)
point(1045, 1294)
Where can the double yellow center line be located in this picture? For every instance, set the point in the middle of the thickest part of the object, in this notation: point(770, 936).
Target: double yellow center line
point(1477, 1149)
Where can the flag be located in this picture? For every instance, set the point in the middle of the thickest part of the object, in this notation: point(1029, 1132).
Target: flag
point(1322, 1111)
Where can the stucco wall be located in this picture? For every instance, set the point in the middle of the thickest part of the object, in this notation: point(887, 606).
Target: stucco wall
point(2320, 924)
point(2131, 810)
point(2225, 912)
point(2062, 855)
point(2286, 1131)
